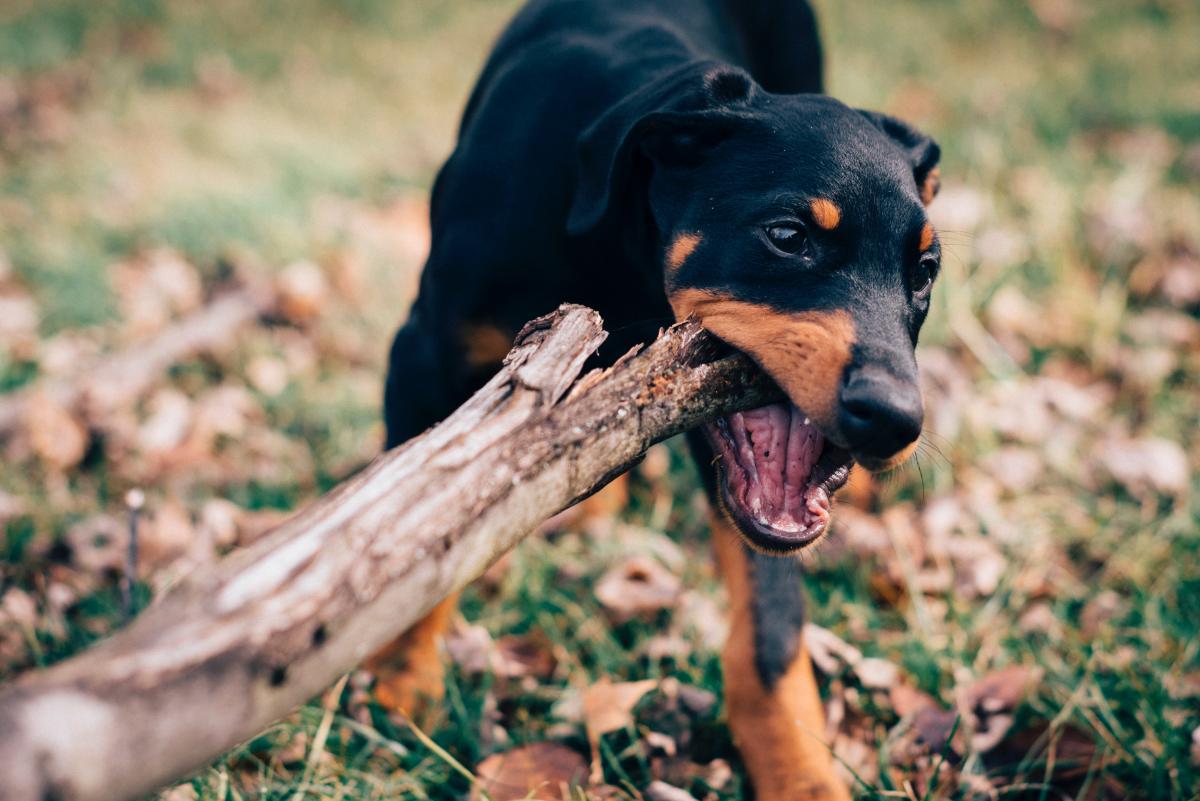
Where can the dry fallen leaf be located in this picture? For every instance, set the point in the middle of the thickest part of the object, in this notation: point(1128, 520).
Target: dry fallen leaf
point(539, 771)
point(609, 707)
point(11, 506)
point(877, 674)
point(268, 374)
point(993, 700)
point(19, 320)
point(907, 699)
point(638, 585)
point(829, 652)
point(169, 417)
point(1100, 609)
point(153, 287)
point(19, 607)
point(165, 536)
point(470, 646)
point(924, 750)
point(1146, 465)
point(661, 791)
point(302, 292)
point(55, 434)
point(99, 544)
point(699, 615)
point(219, 522)
point(181, 792)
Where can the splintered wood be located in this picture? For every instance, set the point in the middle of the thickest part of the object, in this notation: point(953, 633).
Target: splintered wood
point(237, 646)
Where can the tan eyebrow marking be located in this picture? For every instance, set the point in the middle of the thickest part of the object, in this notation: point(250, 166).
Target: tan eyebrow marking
point(680, 249)
point(825, 213)
point(926, 237)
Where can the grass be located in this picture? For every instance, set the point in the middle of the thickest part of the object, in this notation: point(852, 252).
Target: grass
point(246, 137)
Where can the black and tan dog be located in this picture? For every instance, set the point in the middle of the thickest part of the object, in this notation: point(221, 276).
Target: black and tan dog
point(655, 159)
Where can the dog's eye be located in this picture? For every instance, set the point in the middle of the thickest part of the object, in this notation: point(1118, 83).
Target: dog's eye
point(787, 238)
point(923, 277)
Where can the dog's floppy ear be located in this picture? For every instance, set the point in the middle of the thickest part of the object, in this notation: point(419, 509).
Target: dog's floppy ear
point(671, 121)
point(922, 151)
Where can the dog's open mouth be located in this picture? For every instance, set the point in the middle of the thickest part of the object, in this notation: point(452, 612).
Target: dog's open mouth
point(778, 474)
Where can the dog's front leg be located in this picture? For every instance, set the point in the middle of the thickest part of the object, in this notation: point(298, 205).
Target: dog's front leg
point(771, 695)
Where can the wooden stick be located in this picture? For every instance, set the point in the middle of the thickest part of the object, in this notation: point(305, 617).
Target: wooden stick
point(237, 646)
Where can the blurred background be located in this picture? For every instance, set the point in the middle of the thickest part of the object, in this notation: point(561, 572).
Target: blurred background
point(1015, 615)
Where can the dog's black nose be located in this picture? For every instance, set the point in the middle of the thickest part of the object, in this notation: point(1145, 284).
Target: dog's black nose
point(880, 414)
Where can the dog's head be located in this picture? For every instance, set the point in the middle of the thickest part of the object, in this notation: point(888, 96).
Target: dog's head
point(794, 228)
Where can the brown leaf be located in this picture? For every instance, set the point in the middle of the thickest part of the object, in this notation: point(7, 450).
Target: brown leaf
point(55, 435)
point(907, 699)
point(1146, 465)
point(638, 585)
point(518, 656)
point(829, 652)
point(167, 424)
point(470, 647)
point(181, 792)
point(877, 674)
point(1003, 689)
point(539, 771)
point(699, 615)
point(1017, 469)
point(98, 544)
point(609, 707)
point(166, 536)
point(1100, 609)
point(993, 699)
point(154, 287)
point(268, 374)
point(11, 506)
point(19, 607)
point(661, 791)
point(1059, 16)
point(19, 320)
point(925, 748)
point(302, 292)
point(219, 522)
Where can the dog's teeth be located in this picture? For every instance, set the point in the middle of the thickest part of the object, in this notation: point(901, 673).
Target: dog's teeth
point(807, 421)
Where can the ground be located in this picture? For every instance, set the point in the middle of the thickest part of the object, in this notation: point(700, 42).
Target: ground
point(1014, 615)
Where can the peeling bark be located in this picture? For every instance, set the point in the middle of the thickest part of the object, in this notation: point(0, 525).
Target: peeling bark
point(239, 645)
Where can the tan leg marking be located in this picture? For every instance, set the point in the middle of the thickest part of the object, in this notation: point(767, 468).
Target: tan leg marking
point(805, 352)
point(779, 731)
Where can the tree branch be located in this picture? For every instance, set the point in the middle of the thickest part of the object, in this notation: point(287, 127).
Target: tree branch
point(239, 645)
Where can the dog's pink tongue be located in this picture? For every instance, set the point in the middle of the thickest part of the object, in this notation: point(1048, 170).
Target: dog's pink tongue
point(780, 447)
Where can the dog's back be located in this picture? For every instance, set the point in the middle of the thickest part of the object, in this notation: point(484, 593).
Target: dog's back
point(658, 159)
